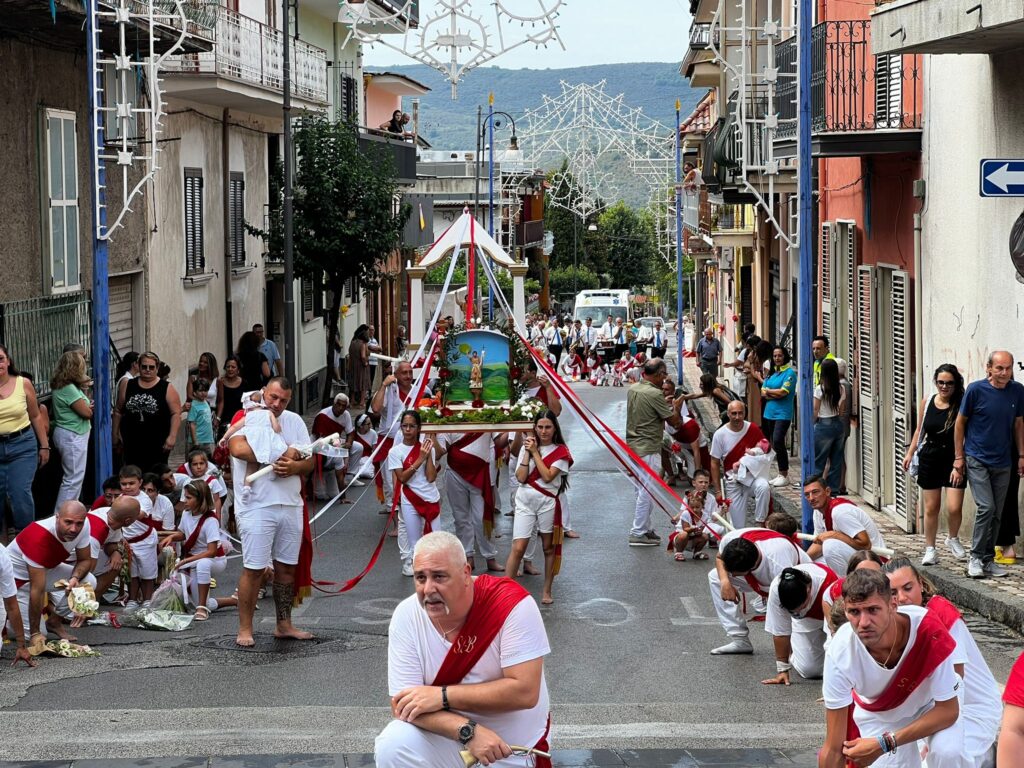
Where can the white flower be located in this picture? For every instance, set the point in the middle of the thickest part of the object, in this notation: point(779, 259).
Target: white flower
point(437, 412)
point(462, 415)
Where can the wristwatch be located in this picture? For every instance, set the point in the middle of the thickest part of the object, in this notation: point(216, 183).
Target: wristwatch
point(467, 732)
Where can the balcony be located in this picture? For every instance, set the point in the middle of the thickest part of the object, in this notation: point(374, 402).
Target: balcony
point(862, 103)
point(699, 64)
point(244, 70)
point(403, 152)
point(529, 233)
point(697, 210)
point(733, 226)
point(376, 16)
point(948, 26)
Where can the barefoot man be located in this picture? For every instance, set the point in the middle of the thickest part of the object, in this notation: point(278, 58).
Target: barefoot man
point(270, 520)
point(465, 667)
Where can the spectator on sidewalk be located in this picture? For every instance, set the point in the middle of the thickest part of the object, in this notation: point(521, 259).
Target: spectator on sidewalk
point(147, 415)
point(373, 346)
point(820, 351)
point(830, 405)
point(269, 350)
point(779, 389)
point(72, 417)
point(933, 443)
point(991, 418)
point(253, 365)
point(709, 353)
point(24, 442)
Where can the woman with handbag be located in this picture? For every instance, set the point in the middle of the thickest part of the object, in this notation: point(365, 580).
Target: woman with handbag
point(932, 447)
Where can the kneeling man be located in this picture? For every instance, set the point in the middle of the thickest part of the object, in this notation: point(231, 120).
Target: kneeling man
point(465, 667)
point(889, 681)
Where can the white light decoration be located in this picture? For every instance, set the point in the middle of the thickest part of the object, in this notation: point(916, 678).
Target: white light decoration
point(115, 80)
point(586, 126)
point(454, 38)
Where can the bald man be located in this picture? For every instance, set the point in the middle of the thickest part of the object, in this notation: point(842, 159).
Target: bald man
point(728, 445)
point(105, 533)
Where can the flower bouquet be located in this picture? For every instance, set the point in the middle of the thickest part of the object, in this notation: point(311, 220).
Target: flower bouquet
point(81, 599)
point(40, 645)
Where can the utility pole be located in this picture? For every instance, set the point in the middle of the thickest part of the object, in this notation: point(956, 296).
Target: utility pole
point(289, 246)
point(805, 281)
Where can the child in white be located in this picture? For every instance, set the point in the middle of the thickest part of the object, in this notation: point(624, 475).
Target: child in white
point(262, 433)
point(206, 555)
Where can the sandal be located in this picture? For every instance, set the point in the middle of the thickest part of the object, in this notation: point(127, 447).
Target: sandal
point(680, 557)
point(700, 555)
point(202, 613)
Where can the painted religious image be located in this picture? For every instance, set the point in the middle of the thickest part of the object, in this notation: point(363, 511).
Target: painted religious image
point(479, 365)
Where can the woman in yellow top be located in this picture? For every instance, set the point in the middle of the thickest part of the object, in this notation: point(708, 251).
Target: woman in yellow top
point(24, 444)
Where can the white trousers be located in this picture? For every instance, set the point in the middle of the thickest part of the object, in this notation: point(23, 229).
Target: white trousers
point(808, 646)
point(836, 555)
point(74, 451)
point(730, 615)
point(410, 529)
point(58, 598)
point(945, 748)
point(642, 513)
point(144, 562)
point(403, 745)
point(199, 573)
point(739, 494)
point(467, 505)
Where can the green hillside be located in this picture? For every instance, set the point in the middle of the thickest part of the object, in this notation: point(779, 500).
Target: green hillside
point(451, 125)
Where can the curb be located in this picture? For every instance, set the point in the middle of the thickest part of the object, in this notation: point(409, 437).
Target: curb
point(973, 594)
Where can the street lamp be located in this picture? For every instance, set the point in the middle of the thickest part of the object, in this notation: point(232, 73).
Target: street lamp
point(512, 153)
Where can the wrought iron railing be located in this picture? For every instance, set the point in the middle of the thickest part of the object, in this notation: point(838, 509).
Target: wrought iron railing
point(732, 218)
point(852, 89)
point(700, 35)
point(36, 330)
point(249, 51)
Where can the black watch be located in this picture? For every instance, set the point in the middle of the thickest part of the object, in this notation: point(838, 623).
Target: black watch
point(467, 732)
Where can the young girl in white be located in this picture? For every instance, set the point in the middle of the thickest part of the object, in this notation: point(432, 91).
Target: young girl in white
point(413, 467)
point(199, 468)
point(202, 552)
point(367, 437)
point(542, 471)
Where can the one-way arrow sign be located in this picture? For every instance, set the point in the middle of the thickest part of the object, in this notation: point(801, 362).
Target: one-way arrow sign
point(1002, 178)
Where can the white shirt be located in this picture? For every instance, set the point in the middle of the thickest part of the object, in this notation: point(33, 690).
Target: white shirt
point(210, 532)
point(849, 667)
point(780, 622)
point(7, 586)
point(849, 519)
point(981, 705)
point(777, 554)
point(562, 465)
point(723, 441)
point(825, 409)
point(644, 335)
point(20, 563)
point(707, 513)
point(607, 331)
point(344, 422)
point(270, 489)
point(391, 410)
point(217, 487)
point(416, 651)
point(589, 334)
point(163, 511)
point(139, 528)
point(418, 483)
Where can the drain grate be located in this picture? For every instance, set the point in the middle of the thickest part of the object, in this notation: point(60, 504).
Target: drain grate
point(270, 644)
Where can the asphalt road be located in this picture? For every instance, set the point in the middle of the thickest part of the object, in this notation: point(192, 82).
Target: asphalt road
point(630, 632)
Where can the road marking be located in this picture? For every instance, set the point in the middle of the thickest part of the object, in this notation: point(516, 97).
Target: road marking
point(602, 610)
point(694, 616)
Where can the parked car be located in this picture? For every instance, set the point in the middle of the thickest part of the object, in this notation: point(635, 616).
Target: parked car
point(648, 322)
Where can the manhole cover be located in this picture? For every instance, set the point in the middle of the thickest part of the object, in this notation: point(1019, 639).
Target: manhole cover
point(271, 644)
point(221, 649)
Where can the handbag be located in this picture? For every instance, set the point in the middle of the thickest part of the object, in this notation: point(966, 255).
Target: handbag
point(915, 461)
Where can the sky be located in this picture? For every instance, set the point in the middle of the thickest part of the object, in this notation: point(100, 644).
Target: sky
point(593, 31)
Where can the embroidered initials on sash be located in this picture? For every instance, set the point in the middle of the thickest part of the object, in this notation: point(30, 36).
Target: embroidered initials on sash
point(465, 644)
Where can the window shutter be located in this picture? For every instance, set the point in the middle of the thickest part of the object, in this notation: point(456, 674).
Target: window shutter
point(236, 214)
point(195, 261)
point(867, 314)
point(825, 259)
point(307, 299)
point(844, 259)
point(902, 397)
point(888, 90)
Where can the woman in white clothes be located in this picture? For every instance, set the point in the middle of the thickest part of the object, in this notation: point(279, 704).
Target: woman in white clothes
point(980, 707)
point(413, 468)
point(542, 471)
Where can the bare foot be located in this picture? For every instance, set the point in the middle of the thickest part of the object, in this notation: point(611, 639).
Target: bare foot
point(492, 565)
point(292, 633)
point(57, 627)
point(245, 640)
point(571, 535)
point(547, 599)
point(529, 570)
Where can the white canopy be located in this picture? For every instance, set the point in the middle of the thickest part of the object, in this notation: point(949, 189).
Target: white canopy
point(474, 233)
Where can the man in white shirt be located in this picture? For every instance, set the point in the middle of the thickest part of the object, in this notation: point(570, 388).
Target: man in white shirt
point(840, 526)
point(336, 418)
point(749, 559)
point(796, 622)
point(589, 337)
point(270, 520)
point(894, 668)
point(465, 667)
point(13, 618)
point(729, 445)
point(658, 341)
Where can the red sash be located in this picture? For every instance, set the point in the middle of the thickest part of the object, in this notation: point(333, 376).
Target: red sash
point(367, 448)
point(151, 525)
point(324, 425)
point(816, 611)
point(557, 532)
point(944, 611)
point(493, 601)
point(428, 510)
point(186, 547)
point(750, 439)
point(687, 432)
point(827, 512)
point(385, 444)
point(836, 590)
point(1014, 693)
point(475, 471)
point(101, 501)
point(762, 534)
point(41, 547)
point(99, 529)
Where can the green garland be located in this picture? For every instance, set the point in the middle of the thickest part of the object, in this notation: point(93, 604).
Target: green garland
point(490, 415)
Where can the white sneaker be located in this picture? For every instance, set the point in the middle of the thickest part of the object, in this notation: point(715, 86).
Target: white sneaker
point(995, 569)
point(931, 557)
point(758, 605)
point(737, 646)
point(956, 548)
point(778, 481)
point(131, 605)
point(407, 569)
point(975, 569)
point(358, 483)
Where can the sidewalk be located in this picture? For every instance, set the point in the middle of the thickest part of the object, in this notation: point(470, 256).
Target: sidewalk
point(1001, 600)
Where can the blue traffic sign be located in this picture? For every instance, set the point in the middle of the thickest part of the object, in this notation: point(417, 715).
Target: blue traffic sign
point(1002, 178)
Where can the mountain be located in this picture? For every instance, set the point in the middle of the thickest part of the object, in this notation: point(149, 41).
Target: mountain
point(447, 124)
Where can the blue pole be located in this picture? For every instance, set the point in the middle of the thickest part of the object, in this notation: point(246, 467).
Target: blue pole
point(490, 197)
point(100, 353)
point(679, 249)
point(805, 277)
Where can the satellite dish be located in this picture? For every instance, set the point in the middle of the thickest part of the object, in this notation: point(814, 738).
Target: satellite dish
point(1017, 247)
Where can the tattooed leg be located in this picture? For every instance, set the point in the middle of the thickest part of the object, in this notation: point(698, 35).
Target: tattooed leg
point(284, 594)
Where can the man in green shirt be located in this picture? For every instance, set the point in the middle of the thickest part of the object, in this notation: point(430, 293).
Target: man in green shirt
point(647, 411)
point(819, 349)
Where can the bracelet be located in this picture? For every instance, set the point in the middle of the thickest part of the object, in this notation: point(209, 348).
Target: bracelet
point(782, 666)
point(44, 448)
point(890, 739)
point(444, 698)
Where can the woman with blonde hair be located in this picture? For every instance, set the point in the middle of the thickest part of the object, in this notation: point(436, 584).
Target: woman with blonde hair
point(72, 418)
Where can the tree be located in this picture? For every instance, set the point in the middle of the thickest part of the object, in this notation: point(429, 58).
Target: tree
point(568, 281)
point(345, 221)
point(632, 246)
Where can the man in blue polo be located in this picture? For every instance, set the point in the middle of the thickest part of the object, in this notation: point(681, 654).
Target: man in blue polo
point(991, 417)
point(269, 350)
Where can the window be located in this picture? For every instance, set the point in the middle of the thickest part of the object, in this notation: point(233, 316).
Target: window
point(122, 88)
point(195, 260)
point(312, 296)
point(236, 216)
point(62, 201)
point(348, 105)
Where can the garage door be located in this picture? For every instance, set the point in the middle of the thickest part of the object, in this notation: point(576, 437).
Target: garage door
point(122, 314)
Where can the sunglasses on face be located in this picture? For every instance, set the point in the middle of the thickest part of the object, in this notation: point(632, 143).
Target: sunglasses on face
point(941, 383)
point(147, 367)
